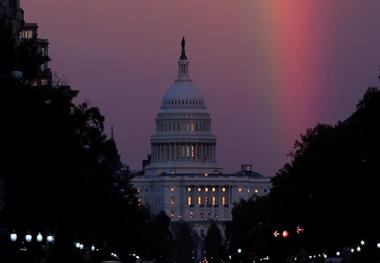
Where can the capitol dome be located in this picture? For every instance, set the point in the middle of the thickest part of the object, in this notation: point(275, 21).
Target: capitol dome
point(183, 95)
point(183, 142)
point(182, 177)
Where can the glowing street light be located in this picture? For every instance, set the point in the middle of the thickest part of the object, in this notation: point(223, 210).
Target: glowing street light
point(92, 248)
point(28, 238)
point(358, 249)
point(239, 250)
point(338, 254)
point(13, 237)
point(50, 238)
point(39, 237)
point(378, 245)
point(285, 233)
point(77, 245)
point(362, 243)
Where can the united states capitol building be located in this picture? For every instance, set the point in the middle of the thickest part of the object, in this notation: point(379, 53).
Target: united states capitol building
point(183, 177)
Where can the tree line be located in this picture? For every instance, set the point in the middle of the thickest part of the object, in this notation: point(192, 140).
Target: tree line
point(329, 190)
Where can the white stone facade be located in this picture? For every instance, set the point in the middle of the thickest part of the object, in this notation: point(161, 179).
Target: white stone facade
point(198, 198)
point(183, 178)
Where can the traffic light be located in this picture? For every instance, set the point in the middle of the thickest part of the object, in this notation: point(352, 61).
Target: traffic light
point(300, 230)
point(276, 234)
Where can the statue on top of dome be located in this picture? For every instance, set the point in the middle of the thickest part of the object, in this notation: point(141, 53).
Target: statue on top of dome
point(183, 52)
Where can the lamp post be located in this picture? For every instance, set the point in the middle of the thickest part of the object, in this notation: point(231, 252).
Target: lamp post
point(13, 253)
point(239, 254)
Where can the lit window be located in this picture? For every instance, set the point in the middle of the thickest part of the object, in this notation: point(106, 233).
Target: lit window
point(213, 189)
point(138, 190)
point(256, 191)
point(206, 189)
point(172, 200)
point(189, 201)
point(199, 200)
point(223, 200)
point(172, 214)
point(189, 189)
point(240, 189)
point(248, 190)
point(214, 201)
point(223, 189)
point(191, 214)
point(192, 151)
point(187, 151)
point(172, 189)
point(199, 189)
point(206, 174)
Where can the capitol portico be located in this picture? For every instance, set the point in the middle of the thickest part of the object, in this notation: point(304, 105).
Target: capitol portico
point(183, 177)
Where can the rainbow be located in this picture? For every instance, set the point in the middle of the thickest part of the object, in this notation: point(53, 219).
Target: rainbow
point(295, 41)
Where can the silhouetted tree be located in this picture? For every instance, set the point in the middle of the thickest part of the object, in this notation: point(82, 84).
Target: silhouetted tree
point(326, 188)
point(184, 245)
point(214, 244)
point(61, 171)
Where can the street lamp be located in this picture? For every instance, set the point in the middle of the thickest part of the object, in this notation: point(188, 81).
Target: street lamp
point(28, 238)
point(362, 243)
point(92, 248)
point(239, 250)
point(378, 245)
point(358, 249)
point(39, 237)
point(50, 238)
point(13, 237)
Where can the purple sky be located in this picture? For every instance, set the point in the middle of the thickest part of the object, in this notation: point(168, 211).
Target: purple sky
point(267, 69)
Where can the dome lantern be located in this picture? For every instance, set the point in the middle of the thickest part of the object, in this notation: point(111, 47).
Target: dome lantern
point(183, 65)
